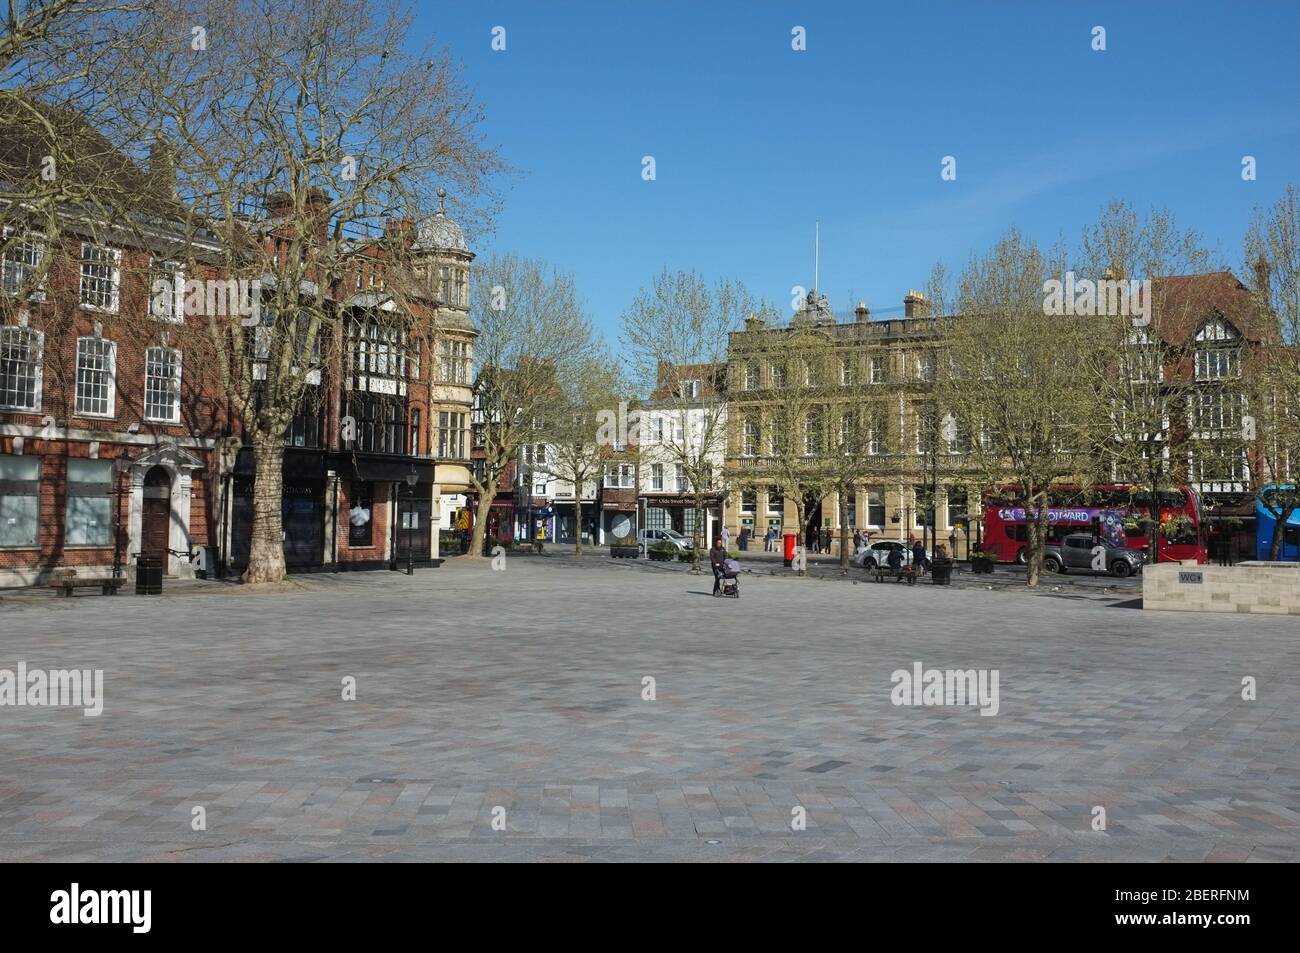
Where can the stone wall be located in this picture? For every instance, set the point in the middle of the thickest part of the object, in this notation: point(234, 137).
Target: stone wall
point(1246, 587)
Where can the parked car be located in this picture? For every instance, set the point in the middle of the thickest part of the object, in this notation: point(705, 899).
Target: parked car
point(648, 537)
point(1076, 552)
point(877, 554)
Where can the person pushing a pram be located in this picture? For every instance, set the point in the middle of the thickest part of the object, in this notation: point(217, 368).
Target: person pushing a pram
point(726, 571)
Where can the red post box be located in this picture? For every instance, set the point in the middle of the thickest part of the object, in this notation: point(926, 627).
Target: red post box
point(790, 541)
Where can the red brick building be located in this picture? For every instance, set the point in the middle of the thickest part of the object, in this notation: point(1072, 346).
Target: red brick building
point(116, 437)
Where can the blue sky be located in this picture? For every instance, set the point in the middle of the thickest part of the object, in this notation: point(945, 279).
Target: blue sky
point(753, 141)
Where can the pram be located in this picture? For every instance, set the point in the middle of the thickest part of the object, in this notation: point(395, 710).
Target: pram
point(730, 579)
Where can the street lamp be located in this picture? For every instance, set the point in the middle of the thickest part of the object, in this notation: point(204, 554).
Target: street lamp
point(121, 466)
point(411, 477)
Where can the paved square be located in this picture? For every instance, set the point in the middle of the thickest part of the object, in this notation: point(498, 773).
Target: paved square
point(522, 690)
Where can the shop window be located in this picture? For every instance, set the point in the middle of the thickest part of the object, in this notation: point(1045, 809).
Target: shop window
point(88, 517)
point(19, 500)
point(361, 526)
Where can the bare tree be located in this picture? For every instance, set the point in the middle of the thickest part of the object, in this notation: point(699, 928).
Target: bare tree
point(675, 335)
point(294, 141)
point(65, 160)
point(1140, 366)
point(1010, 378)
point(1272, 252)
point(534, 341)
point(799, 445)
point(584, 402)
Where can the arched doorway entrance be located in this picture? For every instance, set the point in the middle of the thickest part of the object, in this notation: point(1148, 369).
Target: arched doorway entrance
point(155, 514)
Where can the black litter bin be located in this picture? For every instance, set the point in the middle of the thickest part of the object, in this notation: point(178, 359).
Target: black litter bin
point(148, 575)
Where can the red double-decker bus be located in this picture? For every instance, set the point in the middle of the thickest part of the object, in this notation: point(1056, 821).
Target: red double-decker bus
point(1118, 513)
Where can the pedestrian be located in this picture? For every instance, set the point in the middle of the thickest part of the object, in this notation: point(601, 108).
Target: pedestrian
point(815, 541)
point(769, 538)
point(895, 560)
point(717, 556)
point(744, 539)
point(830, 540)
point(918, 556)
point(857, 540)
point(726, 538)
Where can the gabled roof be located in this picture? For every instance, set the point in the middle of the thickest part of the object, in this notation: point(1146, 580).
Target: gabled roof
point(1182, 303)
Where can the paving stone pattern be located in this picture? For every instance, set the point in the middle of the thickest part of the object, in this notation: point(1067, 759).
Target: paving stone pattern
point(522, 690)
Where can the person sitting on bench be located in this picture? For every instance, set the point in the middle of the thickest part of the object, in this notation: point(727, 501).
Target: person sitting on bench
point(895, 560)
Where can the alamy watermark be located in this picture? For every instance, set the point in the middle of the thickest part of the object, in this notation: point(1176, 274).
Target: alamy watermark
point(1106, 296)
point(936, 687)
point(129, 907)
point(214, 297)
point(56, 688)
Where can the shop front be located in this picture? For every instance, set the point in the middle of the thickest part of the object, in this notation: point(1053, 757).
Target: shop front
point(385, 511)
point(677, 512)
point(302, 510)
point(537, 521)
point(566, 522)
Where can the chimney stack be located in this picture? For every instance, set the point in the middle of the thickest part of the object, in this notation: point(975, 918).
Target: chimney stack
point(1262, 277)
point(915, 305)
point(861, 313)
point(402, 229)
point(279, 204)
point(162, 169)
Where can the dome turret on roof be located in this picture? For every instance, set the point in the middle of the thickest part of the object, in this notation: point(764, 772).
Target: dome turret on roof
point(439, 231)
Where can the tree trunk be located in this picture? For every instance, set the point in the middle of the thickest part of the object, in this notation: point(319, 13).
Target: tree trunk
point(1153, 528)
point(577, 536)
point(801, 539)
point(1037, 538)
point(844, 531)
point(697, 536)
point(266, 549)
point(481, 517)
point(1279, 531)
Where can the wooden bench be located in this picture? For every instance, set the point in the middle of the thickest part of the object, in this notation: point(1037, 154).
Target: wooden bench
point(64, 581)
point(883, 573)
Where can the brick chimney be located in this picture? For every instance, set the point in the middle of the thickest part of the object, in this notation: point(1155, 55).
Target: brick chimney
point(1263, 275)
point(402, 229)
point(162, 169)
point(861, 313)
point(279, 204)
point(915, 305)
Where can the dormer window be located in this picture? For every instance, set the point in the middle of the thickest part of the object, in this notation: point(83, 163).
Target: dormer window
point(690, 390)
point(1218, 347)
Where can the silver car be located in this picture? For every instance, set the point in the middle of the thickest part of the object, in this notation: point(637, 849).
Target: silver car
point(650, 537)
point(1084, 551)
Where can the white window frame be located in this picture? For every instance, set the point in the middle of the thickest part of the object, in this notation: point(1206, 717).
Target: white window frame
point(656, 476)
point(175, 274)
point(177, 369)
point(38, 349)
point(111, 384)
point(34, 240)
point(751, 438)
point(114, 279)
